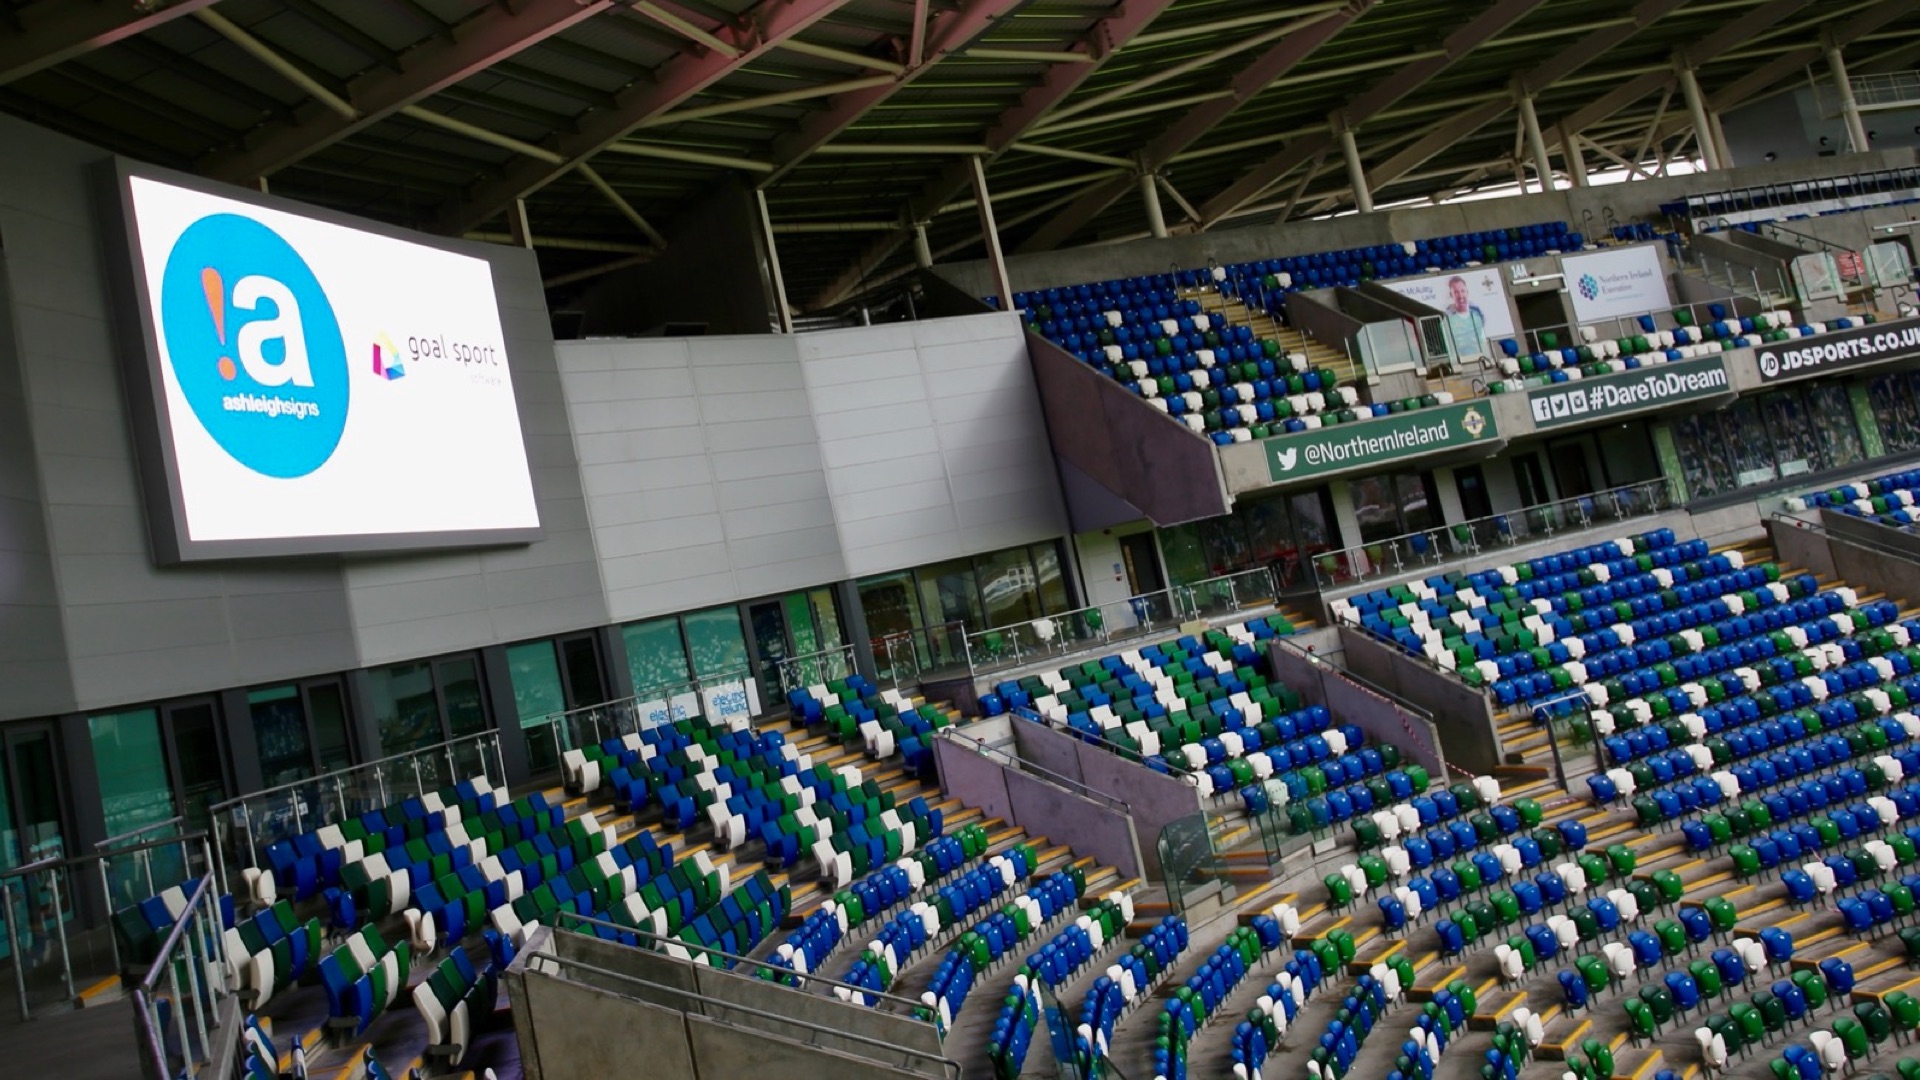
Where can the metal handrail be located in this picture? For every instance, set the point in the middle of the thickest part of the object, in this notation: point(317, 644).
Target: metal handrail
point(1077, 787)
point(568, 729)
point(64, 866)
point(762, 965)
point(1622, 326)
point(1356, 678)
point(981, 658)
point(890, 645)
point(186, 929)
point(1103, 741)
point(947, 1065)
point(291, 785)
point(141, 831)
point(1396, 554)
point(786, 665)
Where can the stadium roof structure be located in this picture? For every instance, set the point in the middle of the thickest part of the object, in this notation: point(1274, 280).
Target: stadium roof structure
point(859, 120)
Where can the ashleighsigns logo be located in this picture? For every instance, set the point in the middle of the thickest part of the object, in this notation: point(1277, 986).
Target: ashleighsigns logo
point(1857, 347)
point(255, 346)
point(1614, 395)
point(1371, 442)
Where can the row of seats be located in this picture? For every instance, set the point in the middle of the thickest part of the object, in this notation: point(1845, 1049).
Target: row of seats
point(1360, 1012)
point(663, 904)
point(1563, 884)
point(885, 721)
point(453, 905)
point(1132, 981)
point(1851, 1039)
point(270, 951)
point(1264, 282)
point(456, 1002)
point(1557, 362)
point(1060, 960)
point(363, 977)
point(141, 928)
point(1195, 1004)
point(258, 1057)
point(827, 925)
point(902, 938)
point(1888, 499)
point(1749, 1023)
point(1267, 1022)
point(306, 863)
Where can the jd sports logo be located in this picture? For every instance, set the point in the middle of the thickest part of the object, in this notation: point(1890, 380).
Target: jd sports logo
point(1287, 458)
point(254, 345)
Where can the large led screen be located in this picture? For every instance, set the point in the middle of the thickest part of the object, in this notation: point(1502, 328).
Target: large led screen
point(319, 387)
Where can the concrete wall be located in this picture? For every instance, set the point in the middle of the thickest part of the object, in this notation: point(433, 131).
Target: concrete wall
point(1587, 209)
point(1790, 126)
point(1864, 554)
point(33, 654)
point(645, 1006)
point(1462, 714)
point(723, 468)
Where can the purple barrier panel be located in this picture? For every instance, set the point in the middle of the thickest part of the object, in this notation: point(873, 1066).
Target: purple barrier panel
point(1051, 750)
point(1156, 799)
point(1383, 719)
point(1462, 716)
point(973, 778)
point(1086, 826)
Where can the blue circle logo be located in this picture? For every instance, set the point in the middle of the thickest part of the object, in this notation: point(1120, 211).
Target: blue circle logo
point(254, 345)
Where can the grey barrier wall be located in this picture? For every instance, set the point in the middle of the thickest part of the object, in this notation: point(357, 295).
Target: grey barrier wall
point(1169, 474)
point(1088, 826)
point(1382, 719)
point(1155, 799)
point(1462, 715)
point(1319, 316)
point(1862, 553)
point(572, 1022)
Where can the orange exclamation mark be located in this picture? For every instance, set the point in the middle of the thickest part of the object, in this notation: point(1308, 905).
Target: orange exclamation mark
point(216, 291)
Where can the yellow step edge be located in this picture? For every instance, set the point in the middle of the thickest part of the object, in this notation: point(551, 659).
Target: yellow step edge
point(111, 982)
point(1652, 1062)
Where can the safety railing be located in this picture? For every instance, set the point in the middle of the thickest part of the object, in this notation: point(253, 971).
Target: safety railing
point(1006, 647)
point(1886, 89)
point(1424, 548)
point(809, 669)
point(1003, 647)
point(1190, 858)
point(692, 1001)
point(734, 962)
point(1228, 594)
point(38, 909)
point(906, 656)
point(1554, 339)
point(247, 825)
point(718, 696)
point(185, 985)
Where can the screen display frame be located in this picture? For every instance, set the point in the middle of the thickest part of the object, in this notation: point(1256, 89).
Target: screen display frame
point(150, 412)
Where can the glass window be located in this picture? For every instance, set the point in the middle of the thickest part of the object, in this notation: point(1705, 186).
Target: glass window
point(196, 746)
point(404, 707)
point(799, 620)
point(656, 657)
point(1837, 430)
point(1184, 553)
point(1752, 450)
point(327, 709)
point(131, 765)
point(1794, 439)
point(1894, 407)
point(716, 643)
point(280, 734)
point(826, 618)
point(1227, 549)
point(888, 602)
point(1053, 584)
point(466, 704)
point(1702, 450)
point(1419, 511)
point(948, 592)
point(1007, 586)
point(535, 674)
point(1269, 530)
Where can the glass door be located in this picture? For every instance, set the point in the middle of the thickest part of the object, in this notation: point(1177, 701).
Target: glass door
point(769, 621)
point(580, 659)
point(196, 750)
point(31, 830)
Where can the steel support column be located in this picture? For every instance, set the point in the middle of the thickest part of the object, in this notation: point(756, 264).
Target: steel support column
point(990, 232)
point(780, 304)
point(1150, 198)
point(1536, 144)
point(1697, 112)
point(1576, 161)
point(1356, 173)
point(1849, 108)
